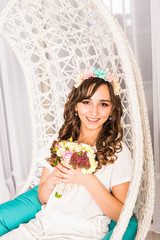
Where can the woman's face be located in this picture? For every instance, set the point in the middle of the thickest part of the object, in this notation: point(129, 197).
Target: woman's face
point(95, 111)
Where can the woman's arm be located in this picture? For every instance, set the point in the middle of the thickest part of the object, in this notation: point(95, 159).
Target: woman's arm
point(47, 184)
point(110, 204)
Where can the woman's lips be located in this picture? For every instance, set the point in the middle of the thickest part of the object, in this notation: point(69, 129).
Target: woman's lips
point(93, 119)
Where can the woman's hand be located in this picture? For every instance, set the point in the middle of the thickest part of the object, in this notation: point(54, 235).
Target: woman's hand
point(47, 184)
point(52, 180)
point(61, 174)
point(66, 174)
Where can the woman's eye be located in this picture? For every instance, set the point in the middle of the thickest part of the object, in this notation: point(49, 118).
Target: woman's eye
point(85, 102)
point(104, 104)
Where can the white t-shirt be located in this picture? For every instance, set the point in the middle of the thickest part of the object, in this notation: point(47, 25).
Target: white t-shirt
point(77, 209)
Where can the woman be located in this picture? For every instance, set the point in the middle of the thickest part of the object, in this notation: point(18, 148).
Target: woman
point(92, 115)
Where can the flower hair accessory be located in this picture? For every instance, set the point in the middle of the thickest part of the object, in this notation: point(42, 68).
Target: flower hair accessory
point(97, 72)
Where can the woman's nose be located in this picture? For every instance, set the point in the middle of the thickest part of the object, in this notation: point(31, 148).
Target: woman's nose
point(94, 110)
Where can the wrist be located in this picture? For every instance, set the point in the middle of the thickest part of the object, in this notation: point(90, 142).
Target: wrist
point(49, 185)
point(87, 179)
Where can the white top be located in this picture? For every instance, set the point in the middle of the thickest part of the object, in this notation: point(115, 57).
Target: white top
point(77, 209)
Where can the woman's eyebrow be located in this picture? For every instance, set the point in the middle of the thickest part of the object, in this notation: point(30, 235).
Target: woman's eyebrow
point(101, 100)
point(105, 100)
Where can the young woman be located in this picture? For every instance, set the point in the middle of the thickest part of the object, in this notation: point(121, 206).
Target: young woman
point(92, 115)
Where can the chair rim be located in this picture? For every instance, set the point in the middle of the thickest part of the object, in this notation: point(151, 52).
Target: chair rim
point(139, 110)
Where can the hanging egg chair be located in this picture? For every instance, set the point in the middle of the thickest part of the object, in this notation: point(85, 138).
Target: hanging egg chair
point(53, 42)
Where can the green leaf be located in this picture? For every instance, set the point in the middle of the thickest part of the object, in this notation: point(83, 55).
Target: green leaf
point(79, 153)
point(71, 139)
point(67, 148)
point(64, 142)
point(58, 195)
point(55, 163)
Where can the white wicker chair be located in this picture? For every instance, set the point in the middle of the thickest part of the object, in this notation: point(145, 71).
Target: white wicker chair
point(55, 40)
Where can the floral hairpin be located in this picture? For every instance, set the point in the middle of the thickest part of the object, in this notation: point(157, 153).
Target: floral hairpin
point(96, 72)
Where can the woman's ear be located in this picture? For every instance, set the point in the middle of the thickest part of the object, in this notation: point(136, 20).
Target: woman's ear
point(111, 110)
point(76, 111)
point(110, 115)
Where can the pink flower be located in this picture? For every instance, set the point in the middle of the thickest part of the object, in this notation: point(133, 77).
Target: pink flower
point(88, 73)
point(109, 77)
point(57, 145)
point(80, 161)
point(67, 156)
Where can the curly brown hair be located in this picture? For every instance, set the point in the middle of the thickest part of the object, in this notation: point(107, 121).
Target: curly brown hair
point(108, 141)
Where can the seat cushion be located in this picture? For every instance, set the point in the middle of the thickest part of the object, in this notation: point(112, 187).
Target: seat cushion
point(20, 210)
point(130, 232)
point(24, 208)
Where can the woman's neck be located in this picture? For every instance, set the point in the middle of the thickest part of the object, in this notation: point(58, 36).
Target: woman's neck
point(88, 139)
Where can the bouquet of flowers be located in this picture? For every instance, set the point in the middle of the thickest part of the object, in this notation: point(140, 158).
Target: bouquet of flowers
point(76, 154)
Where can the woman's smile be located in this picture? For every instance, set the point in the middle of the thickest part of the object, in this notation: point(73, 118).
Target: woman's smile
point(93, 119)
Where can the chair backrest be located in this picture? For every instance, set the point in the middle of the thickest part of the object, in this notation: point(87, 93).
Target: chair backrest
point(54, 41)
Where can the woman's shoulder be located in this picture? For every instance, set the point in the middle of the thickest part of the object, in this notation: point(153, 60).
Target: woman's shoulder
point(124, 149)
point(122, 167)
point(45, 152)
point(124, 156)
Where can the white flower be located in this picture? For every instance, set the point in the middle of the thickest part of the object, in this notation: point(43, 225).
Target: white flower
point(60, 152)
